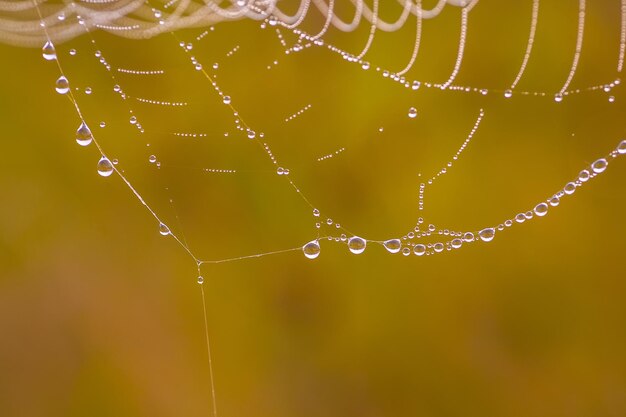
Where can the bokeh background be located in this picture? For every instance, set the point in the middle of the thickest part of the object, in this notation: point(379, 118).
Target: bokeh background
point(101, 315)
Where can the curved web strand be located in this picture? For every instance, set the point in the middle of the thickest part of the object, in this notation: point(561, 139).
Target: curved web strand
point(372, 33)
point(418, 37)
point(579, 47)
point(328, 13)
point(529, 45)
point(622, 39)
point(461, 51)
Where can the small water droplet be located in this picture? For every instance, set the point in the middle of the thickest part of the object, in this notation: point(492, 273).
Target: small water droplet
point(163, 229)
point(280, 170)
point(621, 148)
point(541, 209)
point(569, 188)
point(357, 244)
point(508, 93)
point(200, 280)
point(312, 249)
point(416, 85)
point(48, 51)
point(251, 134)
point(83, 135)
point(62, 85)
point(105, 167)
point(599, 165)
point(152, 159)
point(316, 212)
point(412, 112)
point(393, 245)
point(456, 243)
point(273, 21)
point(584, 175)
point(468, 237)
point(438, 247)
point(558, 98)
point(554, 201)
point(487, 235)
point(226, 100)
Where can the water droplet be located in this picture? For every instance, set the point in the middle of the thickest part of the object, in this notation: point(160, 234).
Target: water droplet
point(487, 235)
point(273, 21)
point(83, 135)
point(312, 249)
point(456, 243)
point(541, 209)
point(48, 51)
point(438, 247)
point(393, 245)
point(280, 170)
point(133, 120)
point(584, 175)
point(599, 165)
point(200, 280)
point(105, 167)
point(558, 98)
point(554, 201)
point(62, 85)
point(152, 159)
point(468, 237)
point(508, 93)
point(226, 100)
point(406, 251)
point(419, 249)
point(416, 85)
point(357, 244)
point(621, 148)
point(251, 134)
point(569, 188)
point(412, 112)
point(316, 212)
point(163, 229)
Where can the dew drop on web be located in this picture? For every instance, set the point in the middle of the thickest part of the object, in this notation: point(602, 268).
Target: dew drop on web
point(357, 245)
point(105, 167)
point(487, 235)
point(392, 245)
point(163, 229)
point(83, 135)
point(311, 250)
point(62, 85)
point(48, 51)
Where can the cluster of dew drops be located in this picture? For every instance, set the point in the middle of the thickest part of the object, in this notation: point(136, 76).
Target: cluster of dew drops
point(357, 244)
point(84, 137)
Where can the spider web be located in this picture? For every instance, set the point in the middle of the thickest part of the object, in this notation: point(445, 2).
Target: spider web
point(255, 139)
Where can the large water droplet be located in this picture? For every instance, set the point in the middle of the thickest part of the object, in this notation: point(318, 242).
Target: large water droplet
point(468, 237)
point(541, 209)
point(105, 167)
point(508, 93)
point(163, 229)
point(393, 245)
point(438, 247)
point(487, 235)
point(226, 99)
point(456, 243)
point(357, 244)
point(316, 212)
point(200, 280)
point(83, 135)
point(412, 112)
point(569, 188)
point(312, 249)
point(48, 51)
point(62, 85)
point(419, 249)
point(599, 165)
point(621, 148)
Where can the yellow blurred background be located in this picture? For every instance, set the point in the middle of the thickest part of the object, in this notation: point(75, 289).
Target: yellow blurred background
point(101, 315)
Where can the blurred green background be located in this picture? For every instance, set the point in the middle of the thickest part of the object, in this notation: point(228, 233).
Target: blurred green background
point(101, 315)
